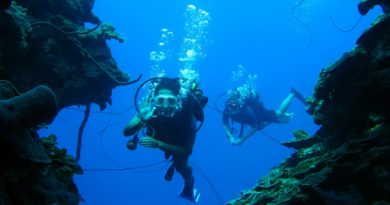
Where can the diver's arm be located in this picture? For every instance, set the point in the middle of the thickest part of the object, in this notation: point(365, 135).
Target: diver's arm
point(154, 143)
point(133, 126)
point(247, 136)
point(138, 121)
point(229, 135)
point(174, 149)
point(227, 128)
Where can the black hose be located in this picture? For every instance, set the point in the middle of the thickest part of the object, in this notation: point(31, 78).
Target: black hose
point(345, 30)
point(124, 168)
point(78, 32)
point(160, 78)
point(85, 52)
point(139, 89)
point(216, 102)
point(201, 109)
point(81, 130)
point(205, 177)
point(303, 24)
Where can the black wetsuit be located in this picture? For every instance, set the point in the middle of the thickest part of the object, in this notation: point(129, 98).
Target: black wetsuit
point(252, 113)
point(179, 130)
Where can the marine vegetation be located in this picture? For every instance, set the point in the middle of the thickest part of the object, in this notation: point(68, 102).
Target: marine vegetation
point(63, 164)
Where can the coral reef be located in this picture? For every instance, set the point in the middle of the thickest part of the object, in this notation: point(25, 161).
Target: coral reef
point(46, 42)
point(48, 60)
point(33, 170)
point(26, 110)
point(365, 6)
point(347, 160)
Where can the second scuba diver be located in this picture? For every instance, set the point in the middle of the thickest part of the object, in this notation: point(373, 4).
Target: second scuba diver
point(244, 106)
point(170, 121)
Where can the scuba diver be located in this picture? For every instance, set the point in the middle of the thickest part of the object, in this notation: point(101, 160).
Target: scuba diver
point(169, 117)
point(4, 4)
point(244, 106)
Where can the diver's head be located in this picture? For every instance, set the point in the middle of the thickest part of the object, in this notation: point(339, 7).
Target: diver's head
point(166, 98)
point(234, 103)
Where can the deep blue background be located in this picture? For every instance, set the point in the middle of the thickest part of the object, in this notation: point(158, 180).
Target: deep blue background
point(264, 37)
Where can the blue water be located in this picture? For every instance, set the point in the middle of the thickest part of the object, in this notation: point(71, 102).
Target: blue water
point(263, 36)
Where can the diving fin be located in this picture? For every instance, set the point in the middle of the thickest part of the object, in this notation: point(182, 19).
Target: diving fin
point(193, 195)
point(298, 95)
point(190, 193)
point(169, 174)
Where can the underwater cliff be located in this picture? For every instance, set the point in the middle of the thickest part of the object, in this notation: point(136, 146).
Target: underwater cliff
point(53, 54)
point(347, 159)
point(49, 60)
point(46, 42)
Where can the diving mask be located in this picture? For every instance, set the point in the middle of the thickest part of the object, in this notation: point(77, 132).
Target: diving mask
point(234, 107)
point(167, 105)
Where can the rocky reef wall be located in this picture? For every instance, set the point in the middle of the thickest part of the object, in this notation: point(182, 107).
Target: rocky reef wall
point(48, 60)
point(46, 42)
point(347, 161)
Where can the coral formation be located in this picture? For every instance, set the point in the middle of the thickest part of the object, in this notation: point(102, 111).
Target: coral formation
point(48, 60)
point(26, 110)
point(33, 170)
point(347, 159)
point(45, 42)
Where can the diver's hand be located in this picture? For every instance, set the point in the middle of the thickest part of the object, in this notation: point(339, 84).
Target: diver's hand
point(286, 117)
point(237, 142)
point(231, 139)
point(150, 142)
point(146, 114)
point(230, 136)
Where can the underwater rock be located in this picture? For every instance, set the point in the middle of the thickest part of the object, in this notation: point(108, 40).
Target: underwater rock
point(48, 60)
point(33, 170)
point(347, 159)
point(78, 11)
point(301, 140)
point(365, 6)
point(45, 42)
point(27, 110)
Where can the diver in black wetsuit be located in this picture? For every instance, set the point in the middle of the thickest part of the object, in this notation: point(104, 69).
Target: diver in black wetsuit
point(171, 126)
point(243, 106)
